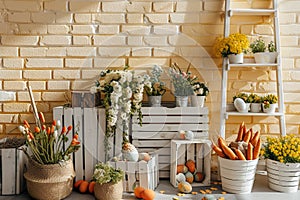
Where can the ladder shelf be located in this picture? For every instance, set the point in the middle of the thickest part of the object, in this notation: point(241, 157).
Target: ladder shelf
point(226, 66)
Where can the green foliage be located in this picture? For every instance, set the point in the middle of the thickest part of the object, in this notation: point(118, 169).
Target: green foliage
point(105, 173)
point(254, 98)
point(243, 96)
point(258, 45)
point(269, 99)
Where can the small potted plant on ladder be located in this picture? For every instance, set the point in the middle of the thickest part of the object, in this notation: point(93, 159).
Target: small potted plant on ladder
point(263, 53)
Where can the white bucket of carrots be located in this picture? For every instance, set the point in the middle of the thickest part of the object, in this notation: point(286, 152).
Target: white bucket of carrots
point(238, 161)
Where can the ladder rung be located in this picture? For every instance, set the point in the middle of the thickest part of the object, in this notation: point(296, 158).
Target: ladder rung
point(254, 114)
point(254, 65)
point(251, 12)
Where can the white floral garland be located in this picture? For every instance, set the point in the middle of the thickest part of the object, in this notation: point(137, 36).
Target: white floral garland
point(123, 98)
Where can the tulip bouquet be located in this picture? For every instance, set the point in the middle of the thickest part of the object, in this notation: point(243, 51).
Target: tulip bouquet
point(46, 145)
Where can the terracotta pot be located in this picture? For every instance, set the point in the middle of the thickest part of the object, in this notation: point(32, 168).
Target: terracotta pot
point(109, 191)
point(49, 182)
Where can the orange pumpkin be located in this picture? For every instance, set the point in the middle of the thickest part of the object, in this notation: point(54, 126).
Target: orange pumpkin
point(138, 192)
point(185, 187)
point(181, 169)
point(191, 165)
point(148, 194)
point(199, 177)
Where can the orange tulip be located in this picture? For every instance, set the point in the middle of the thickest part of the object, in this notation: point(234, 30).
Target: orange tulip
point(42, 118)
point(37, 129)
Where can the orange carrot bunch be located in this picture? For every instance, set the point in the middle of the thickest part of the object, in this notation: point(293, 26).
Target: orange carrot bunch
point(245, 147)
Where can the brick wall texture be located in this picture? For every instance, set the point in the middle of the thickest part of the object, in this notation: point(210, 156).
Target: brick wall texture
point(58, 46)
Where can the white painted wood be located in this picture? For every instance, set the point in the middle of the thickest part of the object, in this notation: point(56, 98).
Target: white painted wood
point(174, 111)
point(101, 135)
point(89, 141)
point(143, 174)
point(131, 174)
point(273, 13)
point(78, 156)
point(118, 139)
point(169, 127)
point(173, 119)
point(8, 171)
point(122, 165)
point(199, 153)
point(68, 121)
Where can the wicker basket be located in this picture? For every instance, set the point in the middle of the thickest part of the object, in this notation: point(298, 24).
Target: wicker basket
point(109, 191)
point(49, 182)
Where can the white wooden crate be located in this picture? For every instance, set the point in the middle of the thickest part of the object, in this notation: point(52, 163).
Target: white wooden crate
point(141, 173)
point(161, 125)
point(91, 131)
point(12, 166)
point(197, 150)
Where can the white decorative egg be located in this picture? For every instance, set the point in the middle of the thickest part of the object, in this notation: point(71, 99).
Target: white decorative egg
point(240, 105)
point(189, 135)
point(180, 178)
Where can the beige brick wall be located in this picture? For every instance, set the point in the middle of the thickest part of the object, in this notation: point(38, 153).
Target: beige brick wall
point(62, 45)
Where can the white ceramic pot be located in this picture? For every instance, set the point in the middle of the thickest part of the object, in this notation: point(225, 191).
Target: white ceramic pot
point(197, 101)
point(283, 177)
point(182, 101)
point(270, 109)
point(236, 58)
point(255, 107)
point(154, 101)
point(237, 176)
point(265, 57)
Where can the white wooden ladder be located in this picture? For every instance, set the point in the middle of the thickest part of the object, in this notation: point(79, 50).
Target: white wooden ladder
point(273, 12)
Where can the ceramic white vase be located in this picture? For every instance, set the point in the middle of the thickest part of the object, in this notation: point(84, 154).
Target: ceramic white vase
point(154, 101)
point(197, 101)
point(270, 109)
point(265, 57)
point(182, 101)
point(255, 107)
point(236, 58)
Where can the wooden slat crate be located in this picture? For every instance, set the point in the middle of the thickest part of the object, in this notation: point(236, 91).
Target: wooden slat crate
point(161, 125)
point(89, 123)
point(141, 173)
point(196, 150)
point(13, 162)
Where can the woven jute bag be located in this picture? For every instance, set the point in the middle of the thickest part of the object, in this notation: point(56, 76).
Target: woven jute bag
point(49, 182)
point(109, 191)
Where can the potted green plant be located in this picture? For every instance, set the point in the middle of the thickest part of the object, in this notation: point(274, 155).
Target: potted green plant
point(155, 88)
point(109, 182)
point(270, 103)
point(232, 47)
point(262, 52)
point(182, 84)
point(255, 101)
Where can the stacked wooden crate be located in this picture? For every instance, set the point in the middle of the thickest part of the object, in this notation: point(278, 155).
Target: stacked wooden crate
point(13, 162)
point(161, 125)
point(141, 173)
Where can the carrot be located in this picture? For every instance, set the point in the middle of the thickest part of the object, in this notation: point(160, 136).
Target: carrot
point(91, 187)
point(239, 154)
point(227, 151)
point(250, 152)
point(256, 149)
point(255, 138)
point(83, 188)
point(240, 133)
point(248, 136)
point(218, 150)
point(77, 184)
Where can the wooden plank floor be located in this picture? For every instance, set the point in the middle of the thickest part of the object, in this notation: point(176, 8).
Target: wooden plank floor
point(260, 192)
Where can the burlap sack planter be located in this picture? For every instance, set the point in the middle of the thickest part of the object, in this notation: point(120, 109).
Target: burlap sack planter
point(109, 191)
point(49, 182)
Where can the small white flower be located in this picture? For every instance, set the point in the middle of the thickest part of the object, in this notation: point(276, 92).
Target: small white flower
point(58, 124)
point(22, 129)
point(55, 134)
